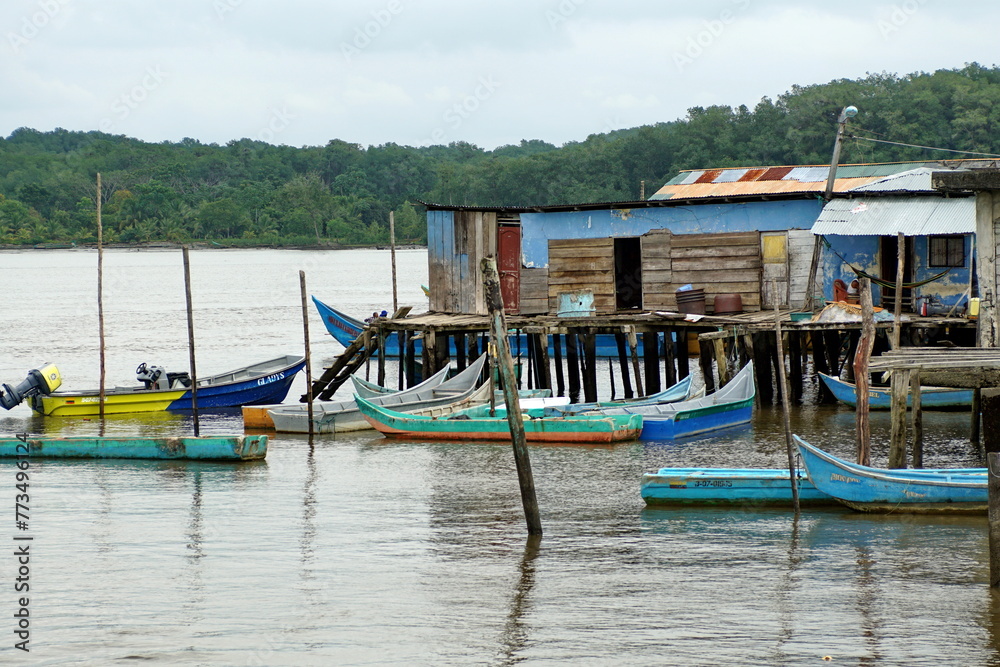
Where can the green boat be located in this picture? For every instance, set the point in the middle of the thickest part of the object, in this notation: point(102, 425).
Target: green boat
point(203, 448)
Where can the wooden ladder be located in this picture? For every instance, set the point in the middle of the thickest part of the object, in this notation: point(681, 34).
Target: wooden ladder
point(333, 377)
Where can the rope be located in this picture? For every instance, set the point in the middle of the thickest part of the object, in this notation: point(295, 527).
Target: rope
point(881, 281)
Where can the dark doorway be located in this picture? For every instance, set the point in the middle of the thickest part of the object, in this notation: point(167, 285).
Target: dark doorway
point(889, 251)
point(628, 274)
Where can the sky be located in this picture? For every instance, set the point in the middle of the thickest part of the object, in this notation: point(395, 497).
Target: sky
point(303, 72)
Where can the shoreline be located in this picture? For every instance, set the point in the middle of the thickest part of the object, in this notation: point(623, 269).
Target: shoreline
point(200, 245)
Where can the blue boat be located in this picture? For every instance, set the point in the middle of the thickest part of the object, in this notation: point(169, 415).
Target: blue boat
point(880, 398)
point(346, 329)
point(913, 491)
point(677, 392)
point(730, 406)
point(720, 486)
point(203, 448)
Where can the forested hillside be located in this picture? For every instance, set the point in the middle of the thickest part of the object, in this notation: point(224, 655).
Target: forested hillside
point(249, 192)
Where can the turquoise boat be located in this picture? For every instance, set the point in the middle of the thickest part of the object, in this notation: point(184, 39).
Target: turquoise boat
point(203, 448)
point(880, 398)
point(723, 486)
point(478, 424)
point(913, 491)
point(730, 406)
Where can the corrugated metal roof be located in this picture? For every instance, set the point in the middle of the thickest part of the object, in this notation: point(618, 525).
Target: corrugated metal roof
point(736, 181)
point(887, 216)
point(914, 180)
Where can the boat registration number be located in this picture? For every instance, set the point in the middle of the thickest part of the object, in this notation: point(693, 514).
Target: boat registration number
point(717, 483)
point(270, 378)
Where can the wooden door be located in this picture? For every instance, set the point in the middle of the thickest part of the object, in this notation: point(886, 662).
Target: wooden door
point(774, 280)
point(509, 266)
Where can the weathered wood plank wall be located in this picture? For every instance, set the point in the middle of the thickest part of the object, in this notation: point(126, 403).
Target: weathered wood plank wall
point(582, 265)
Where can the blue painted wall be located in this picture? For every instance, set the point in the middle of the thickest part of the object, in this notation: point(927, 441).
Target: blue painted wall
point(863, 253)
point(538, 228)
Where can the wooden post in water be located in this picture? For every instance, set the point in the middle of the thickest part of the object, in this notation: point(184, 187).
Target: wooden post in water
point(392, 253)
point(100, 298)
point(623, 364)
point(190, 323)
point(897, 438)
point(785, 410)
point(705, 359)
point(305, 337)
point(590, 368)
point(683, 362)
point(863, 433)
point(917, 416)
point(993, 473)
point(795, 364)
point(977, 405)
point(721, 362)
point(633, 346)
point(651, 361)
point(557, 360)
point(573, 367)
point(898, 306)
point(669, 358)
point(498, 333)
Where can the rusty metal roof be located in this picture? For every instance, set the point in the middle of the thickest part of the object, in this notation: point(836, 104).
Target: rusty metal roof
point(888, 216)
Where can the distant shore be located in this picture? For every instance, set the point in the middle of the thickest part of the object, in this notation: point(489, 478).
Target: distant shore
point(199, 245)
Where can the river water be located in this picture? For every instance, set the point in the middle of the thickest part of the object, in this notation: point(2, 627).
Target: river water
point(356, 550)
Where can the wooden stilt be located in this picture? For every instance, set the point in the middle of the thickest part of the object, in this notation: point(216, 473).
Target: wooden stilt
point(795, 365)
point(721, 361)
point(411, 362)
point(651, 361)
point(705, 359)
point(573, 367)
point(990, 401)
point(623, 364)
point(305, 336)
point(669, 358)
point(190, 324)
point(633, 346)
point(498, 331)
point(862, 430)
point(683, 360)
point(461, 360)
point(590, 359)
point(762, 369)
point(917, 418)
point(993, 466)
point(897, 439)
point(381, 355)
point(557, 356)
point(831, 343)
point(976, 412)
point(785, 409)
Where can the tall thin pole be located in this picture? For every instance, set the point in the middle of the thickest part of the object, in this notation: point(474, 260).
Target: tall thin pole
point(785, 409)
point(898, 307)
point(392, 251)
point(190, 323)
point(100, 294)
point(861, 376)
point(499, 340)
point(305, 335)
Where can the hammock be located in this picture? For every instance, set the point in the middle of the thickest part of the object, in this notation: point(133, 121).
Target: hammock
point(891, 284)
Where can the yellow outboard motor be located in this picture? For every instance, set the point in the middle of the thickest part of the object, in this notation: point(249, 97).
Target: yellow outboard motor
point(44, 380)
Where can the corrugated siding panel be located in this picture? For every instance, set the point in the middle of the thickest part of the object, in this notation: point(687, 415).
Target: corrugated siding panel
point(887, 216)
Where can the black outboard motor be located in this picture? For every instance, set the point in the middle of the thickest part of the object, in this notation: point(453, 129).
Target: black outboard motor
point(43, 380)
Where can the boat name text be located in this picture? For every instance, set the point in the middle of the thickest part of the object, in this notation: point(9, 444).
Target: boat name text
point(270, 378)
point(836, 477)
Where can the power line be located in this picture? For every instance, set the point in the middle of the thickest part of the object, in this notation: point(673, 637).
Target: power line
point(930, 148)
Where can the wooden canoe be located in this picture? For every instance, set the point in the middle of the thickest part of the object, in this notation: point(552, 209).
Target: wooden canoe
point(203, 448)
point(880, 398)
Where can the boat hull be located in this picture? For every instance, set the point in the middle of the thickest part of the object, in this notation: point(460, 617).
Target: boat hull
point(695, 422)
point(726, 486)
point(880, 398)
point(269, 387)
point(873, 490)
point(205, 448)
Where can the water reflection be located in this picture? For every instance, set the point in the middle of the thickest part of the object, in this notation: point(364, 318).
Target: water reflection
point(514, 637)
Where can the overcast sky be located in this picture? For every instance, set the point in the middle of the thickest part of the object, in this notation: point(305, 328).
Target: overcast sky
point(302, 72)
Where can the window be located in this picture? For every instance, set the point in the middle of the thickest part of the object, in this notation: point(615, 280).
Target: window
point(946, 250)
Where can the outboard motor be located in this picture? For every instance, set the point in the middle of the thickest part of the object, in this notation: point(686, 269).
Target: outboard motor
point(153, 377)
point(43, 380)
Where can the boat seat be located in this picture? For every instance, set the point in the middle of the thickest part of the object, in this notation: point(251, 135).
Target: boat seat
point(179, 380)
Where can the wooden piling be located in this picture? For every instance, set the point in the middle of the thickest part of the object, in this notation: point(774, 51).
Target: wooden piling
point(623, 364)
point(633, 347)
point(669, 358)
point(190, 325)
point(573, 366)
point(411, 362)
point(683, 361)
point(762, 369)
point(705, 359)
point(557, 360)
point(864, 349)
point(100, 301)
point(990, 403)
point(831, 344)
point(897, 439)
point(498, 334)
point(590, 367)
point(976, 412)
point(543, 373)
point(651, 361)
point(785, 409)
point(795, 365)
point(392, 252)
point(305, 337)
point(993, 474)
point(917, 420)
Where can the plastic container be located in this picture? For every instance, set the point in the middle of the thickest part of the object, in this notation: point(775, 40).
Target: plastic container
point(974, 308)
point(691, 301)
point(728, 304)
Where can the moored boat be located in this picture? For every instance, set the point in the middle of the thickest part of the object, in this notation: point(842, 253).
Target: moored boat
point(914, 491)
point(880, 398)
point(265, 382)
point(751, 486)
point(478, 424)
point(677, 392)
point(731, 405)
point(202, 448)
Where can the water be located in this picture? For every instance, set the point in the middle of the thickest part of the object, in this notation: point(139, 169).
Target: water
point(364, 551)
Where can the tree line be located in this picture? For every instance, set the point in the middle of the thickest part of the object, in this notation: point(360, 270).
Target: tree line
point(250, 192)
